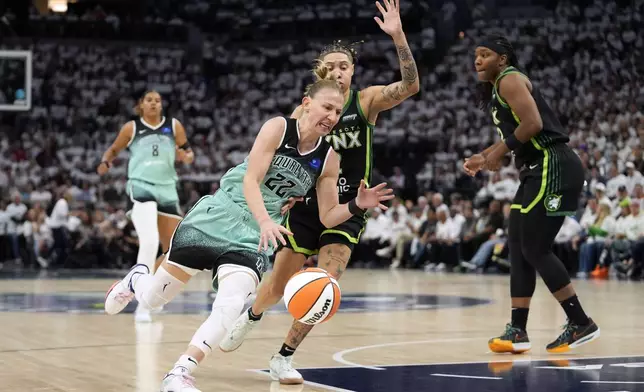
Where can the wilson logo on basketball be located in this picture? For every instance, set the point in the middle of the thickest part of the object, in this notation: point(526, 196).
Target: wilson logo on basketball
point(317, 316)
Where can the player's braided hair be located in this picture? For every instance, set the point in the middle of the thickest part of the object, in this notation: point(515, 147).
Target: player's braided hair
point(320, 70)
point(503, 47)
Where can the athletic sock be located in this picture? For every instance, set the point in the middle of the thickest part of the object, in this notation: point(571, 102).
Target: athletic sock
point(520, 318)
point(185, 364)
point(252, 316)
point(287, 350)
point(574, 311)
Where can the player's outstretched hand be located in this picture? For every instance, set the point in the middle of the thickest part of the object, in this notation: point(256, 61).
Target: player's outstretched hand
point(290, 203)
point(474, 164)
point(373, 197)
point(390, 22)
point(270, 233)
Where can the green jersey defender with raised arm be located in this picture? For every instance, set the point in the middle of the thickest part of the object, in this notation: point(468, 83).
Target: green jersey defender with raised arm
point(352, 140)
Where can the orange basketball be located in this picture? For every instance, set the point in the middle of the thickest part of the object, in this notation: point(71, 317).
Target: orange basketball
point(312, 296)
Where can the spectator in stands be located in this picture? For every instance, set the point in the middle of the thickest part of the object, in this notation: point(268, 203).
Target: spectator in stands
point(421, 243)
point(486, 249)
point(16, 212)
point(375, 233)
point(628, 231)
point(563, 246)
point(57, 222)
point(443, 249)
point(592, 241)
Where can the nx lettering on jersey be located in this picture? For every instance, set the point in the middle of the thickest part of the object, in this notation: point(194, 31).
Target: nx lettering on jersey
point(345, 138)
point(295, 168)
point(319, 315)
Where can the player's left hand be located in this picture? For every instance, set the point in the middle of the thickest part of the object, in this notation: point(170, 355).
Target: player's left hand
point(290, 203)
point(390, 22)
point(474, 164)
point(373, 197)
point(184, 156)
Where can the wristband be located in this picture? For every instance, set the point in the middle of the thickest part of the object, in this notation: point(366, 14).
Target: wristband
point(354, 209)
point(185, 146)
point(512, 142)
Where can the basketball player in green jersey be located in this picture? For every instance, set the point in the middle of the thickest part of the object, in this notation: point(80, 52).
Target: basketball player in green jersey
point(155, 142)
point(233, 231)
point(352, 140)
point(552, 178)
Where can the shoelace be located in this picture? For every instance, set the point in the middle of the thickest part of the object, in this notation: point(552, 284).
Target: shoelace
point(510, 330)
point(287, 365)
point(569, 328)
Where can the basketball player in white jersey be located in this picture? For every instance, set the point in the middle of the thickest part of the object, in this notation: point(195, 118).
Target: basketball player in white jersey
point(155, 142)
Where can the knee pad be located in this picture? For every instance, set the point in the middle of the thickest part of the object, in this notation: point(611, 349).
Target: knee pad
point(154, 291)
point(225, 311)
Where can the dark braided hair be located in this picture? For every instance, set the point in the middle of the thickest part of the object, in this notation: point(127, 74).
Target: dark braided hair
point(320, 70)
point(502, 46)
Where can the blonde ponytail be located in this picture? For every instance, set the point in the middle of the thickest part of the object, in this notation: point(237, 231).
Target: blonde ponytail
point(320, 71)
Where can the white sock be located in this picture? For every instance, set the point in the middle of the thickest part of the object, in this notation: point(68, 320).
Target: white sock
point(234, 288)
point(185, 364)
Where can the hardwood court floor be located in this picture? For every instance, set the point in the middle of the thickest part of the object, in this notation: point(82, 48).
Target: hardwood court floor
point(56, 338)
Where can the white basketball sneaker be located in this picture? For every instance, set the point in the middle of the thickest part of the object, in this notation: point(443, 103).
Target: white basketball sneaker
point(237, 333)
point(178, 383)
point(122, 293)
point(282, 370)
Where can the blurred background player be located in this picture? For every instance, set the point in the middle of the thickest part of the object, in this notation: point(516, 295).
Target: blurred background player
point(155, 142)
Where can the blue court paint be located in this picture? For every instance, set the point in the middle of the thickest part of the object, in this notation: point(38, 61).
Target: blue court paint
point(54, 274)
point(556, 375)
point(197, 302)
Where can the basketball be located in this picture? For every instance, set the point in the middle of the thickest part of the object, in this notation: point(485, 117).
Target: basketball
point(312, 296)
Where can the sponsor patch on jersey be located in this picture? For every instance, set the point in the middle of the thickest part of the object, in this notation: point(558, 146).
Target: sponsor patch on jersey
point(166, 130)
point(315, 163)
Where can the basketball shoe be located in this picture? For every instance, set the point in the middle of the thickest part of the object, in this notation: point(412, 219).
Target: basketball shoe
point(178, 383)
point(236, 335)
point(574, 336)
point(282, 370)
point(514, 340)
point(122, 293)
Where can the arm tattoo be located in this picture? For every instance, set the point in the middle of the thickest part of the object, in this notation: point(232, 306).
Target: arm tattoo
point(399, 91)
point(404, 54)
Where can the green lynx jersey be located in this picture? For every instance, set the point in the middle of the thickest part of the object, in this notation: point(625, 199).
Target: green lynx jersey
point(351, 138)
point(152, 152)
point(291, 173)
point(506, 122)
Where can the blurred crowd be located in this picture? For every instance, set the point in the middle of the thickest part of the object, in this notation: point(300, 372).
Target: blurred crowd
point(588, 61)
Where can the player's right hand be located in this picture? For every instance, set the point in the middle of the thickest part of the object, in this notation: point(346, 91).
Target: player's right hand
point(290, 203)
point(473, 164)
point(102, 168)
point(270, 232)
